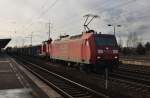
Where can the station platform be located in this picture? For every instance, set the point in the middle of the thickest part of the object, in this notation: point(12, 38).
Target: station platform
point(15, 83)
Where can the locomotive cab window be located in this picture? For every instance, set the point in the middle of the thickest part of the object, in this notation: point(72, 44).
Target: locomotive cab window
point(103, 41)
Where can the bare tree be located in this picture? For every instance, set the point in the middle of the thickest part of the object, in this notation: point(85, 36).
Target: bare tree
point(120, 41)
point(147, 46)
point(133, 40)
point(140, 49)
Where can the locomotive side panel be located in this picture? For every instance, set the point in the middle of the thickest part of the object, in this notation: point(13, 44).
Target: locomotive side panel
point(75, 51)
point(88, 51)
point(59, 51)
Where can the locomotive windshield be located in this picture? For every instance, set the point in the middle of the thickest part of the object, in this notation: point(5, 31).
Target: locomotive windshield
point(104, 41)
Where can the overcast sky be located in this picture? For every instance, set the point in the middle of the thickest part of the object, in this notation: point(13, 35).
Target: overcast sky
point(18, 18)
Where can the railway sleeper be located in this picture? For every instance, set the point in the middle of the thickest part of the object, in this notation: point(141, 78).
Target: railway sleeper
point(77, 91)
point(71, 89)
point(68, 88)
point(77, 95)
point(63, 85)
point(83, 96)
point(59, 83)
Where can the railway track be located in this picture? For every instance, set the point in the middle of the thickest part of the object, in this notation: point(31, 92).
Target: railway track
point(144, 58)
point(136, 77)
point(120, 82)
point(141, 72)
point(66, 87)
point(132, 76)
point(136, 61)
point(136, 68)
point(126, 82)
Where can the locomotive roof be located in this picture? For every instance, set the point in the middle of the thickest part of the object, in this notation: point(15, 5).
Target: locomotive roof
point(85, 35)
point(76, 36)
point(105, 34)
point(70, 37)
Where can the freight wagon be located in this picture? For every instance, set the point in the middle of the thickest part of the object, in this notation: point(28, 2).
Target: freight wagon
point(33, 51)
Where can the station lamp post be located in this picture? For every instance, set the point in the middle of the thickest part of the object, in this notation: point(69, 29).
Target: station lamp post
point(114, 26)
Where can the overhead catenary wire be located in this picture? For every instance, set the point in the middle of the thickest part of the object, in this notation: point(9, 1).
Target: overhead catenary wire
point(26, 27)
point(71, 20)
point(40, 15)
point(31, 23)
point(126, 3)
point(103, 10)
point(42, 7)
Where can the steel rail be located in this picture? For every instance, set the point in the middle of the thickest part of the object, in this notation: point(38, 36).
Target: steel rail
point(87, 92)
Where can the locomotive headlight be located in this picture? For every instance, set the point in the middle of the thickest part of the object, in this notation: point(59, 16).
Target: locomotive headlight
point(115, 57)
point(115, 51)
point(100, 51)
point(98, 57)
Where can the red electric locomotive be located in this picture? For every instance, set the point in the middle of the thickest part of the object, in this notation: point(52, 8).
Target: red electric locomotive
point(89, 50)
point(45, 48)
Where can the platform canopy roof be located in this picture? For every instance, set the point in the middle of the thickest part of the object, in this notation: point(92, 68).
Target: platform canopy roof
point(4, 42)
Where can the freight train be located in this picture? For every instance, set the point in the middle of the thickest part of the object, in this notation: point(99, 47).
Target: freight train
point(89, 50)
